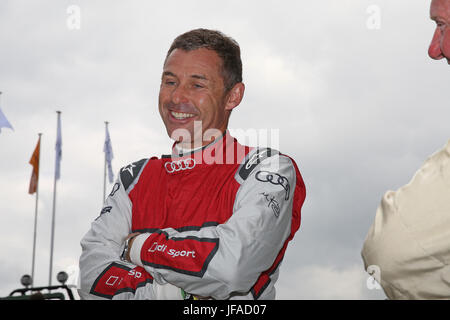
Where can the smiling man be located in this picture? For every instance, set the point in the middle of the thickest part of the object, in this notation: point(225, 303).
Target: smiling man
point(409, 241)
point(213, 218)
point(194, 89)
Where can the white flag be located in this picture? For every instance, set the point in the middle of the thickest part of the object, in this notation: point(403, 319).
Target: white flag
point(58, 148)
point(107, 149)
point(4, 123)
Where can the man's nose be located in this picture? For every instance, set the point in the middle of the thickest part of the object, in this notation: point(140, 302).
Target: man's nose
point(179, 94)
point(434, 51)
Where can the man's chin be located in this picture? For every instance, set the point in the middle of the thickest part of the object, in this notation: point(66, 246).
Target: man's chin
point(181, 135)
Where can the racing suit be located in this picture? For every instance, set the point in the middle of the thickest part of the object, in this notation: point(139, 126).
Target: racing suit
point(214, 222)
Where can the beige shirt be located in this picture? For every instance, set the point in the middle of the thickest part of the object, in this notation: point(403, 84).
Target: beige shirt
point(409, 241)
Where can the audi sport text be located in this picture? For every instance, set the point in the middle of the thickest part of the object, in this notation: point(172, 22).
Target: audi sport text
point(171, 252)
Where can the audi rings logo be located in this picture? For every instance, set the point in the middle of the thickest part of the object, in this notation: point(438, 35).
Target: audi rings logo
point(180, 165)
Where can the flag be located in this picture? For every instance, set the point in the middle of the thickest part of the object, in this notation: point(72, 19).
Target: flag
point(58, 148)
point(4, 123)
point(107, 149)
point(34, 161)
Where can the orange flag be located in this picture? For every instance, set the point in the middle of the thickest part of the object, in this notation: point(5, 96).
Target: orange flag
point(34, 161)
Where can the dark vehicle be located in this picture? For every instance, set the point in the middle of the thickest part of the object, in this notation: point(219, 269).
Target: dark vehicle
point(37, 293)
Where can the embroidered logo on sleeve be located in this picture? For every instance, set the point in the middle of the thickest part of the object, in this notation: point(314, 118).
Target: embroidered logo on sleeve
point(190, 255)
point(117, 278)
point(275, 179)
point(131, 172)
point(252, 160)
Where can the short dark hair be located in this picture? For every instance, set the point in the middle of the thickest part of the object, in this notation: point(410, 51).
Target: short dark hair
point(225, 47)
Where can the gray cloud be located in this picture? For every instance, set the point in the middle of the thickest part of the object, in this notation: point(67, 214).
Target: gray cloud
point(358, 109)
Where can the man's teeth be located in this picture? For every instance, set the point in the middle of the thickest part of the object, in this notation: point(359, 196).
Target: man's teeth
point(180, 115)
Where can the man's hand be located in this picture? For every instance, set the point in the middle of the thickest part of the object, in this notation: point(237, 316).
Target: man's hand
point(130, 239)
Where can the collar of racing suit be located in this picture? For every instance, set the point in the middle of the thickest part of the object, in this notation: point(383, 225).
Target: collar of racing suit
point(225, 149)
point(180, 152)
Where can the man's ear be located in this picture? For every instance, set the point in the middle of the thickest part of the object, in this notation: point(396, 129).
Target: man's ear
point(234, 96)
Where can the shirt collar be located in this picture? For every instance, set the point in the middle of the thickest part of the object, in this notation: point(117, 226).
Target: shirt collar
point(178, 152)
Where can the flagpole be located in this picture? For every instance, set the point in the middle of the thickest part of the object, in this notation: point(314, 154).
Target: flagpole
point(104, 171)
point(53, 213)
point(35, 216)
point(52, 235)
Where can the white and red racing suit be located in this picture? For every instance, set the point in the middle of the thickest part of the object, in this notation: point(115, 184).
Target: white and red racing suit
point(214, 222)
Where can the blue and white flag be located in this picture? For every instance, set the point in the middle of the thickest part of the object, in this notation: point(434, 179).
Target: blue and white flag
point(4, 123)
point(58, 148)
point(107, 149)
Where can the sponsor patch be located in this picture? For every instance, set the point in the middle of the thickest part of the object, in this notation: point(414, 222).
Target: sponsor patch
point(190, 255)
point(117, 278)
point(252, 160)
point(275, 179)
point(129, 173)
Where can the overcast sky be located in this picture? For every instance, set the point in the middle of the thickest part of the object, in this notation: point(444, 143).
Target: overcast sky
point(357, 102)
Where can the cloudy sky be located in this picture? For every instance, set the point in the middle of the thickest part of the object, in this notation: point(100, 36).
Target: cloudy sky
point(348, 84)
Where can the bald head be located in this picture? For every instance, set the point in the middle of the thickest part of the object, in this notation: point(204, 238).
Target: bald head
point(440, 44)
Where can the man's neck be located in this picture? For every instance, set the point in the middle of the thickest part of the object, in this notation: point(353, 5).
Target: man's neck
point(190, 146)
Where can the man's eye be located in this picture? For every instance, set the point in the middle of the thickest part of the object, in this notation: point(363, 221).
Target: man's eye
point(169, 83)
point(198, 86)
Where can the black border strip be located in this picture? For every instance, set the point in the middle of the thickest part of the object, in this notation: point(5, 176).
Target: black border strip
point(180, 229)
point(133, 291)
point(130, 179)
point(258, 156)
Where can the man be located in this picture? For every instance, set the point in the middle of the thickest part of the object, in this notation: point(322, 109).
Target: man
point(440, 45)
point(409, 241)
point(211, 220)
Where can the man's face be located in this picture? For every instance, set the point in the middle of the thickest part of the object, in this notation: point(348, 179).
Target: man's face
point(192, 89)
point(440, 45)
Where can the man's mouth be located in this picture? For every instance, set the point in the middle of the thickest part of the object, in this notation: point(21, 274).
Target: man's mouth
point(181, 115)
